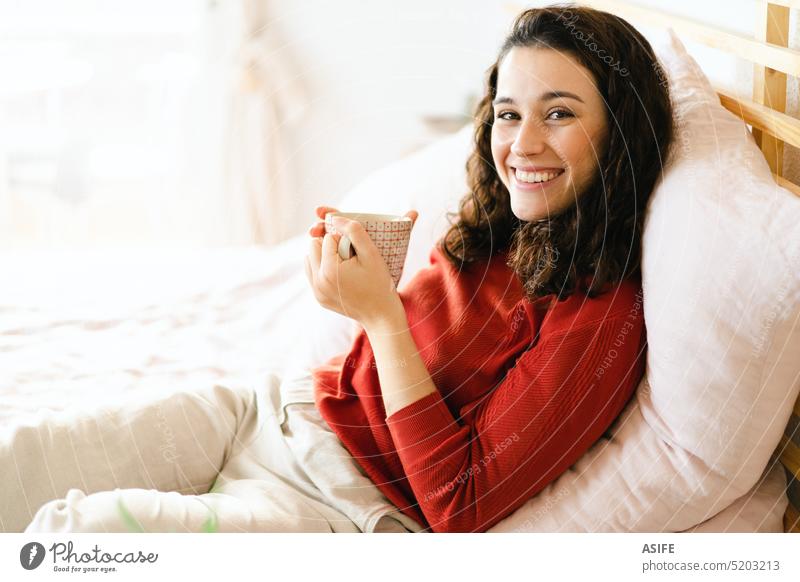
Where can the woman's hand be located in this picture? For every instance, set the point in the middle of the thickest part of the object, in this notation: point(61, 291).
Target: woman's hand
point(361, 287)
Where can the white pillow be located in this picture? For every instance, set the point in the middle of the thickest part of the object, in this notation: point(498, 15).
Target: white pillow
point(720, 281)
point(721, 251)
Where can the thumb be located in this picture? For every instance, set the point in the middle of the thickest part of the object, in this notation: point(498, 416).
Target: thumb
point(364, 247)
point(413, 215)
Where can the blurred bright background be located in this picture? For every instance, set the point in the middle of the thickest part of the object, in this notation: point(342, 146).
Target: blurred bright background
point(196, 123)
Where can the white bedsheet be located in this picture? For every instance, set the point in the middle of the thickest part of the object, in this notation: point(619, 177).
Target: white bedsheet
point(80, 328)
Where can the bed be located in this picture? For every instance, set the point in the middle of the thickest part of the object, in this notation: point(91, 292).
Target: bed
point(82, 329)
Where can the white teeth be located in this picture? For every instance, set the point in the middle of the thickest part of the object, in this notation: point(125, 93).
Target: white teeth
point(533, 177)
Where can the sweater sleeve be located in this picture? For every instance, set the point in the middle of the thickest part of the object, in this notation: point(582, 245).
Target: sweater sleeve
point(552, 405)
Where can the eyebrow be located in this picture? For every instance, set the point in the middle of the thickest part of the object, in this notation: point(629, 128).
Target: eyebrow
point(543, 97)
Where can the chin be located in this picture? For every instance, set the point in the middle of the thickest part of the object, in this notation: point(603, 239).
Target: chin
point(527, 216)
point(528, 211)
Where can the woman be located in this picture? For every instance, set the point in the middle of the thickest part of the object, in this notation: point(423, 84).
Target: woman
point(464, 394)
point(524, 339)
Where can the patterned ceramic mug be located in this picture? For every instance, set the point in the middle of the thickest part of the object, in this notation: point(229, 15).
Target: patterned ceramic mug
point(389, 232)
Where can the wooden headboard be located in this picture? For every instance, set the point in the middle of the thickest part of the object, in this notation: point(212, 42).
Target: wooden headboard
point(766, 49)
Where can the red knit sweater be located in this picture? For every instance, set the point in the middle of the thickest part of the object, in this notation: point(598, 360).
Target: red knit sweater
point(523, 390)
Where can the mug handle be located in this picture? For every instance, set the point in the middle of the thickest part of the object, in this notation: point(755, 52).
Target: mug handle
point(345, 247)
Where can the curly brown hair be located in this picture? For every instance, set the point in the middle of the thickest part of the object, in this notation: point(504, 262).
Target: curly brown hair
point(554, 255)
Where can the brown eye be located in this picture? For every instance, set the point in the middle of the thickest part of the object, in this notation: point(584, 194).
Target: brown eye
point(565, 114)
point(506, 114)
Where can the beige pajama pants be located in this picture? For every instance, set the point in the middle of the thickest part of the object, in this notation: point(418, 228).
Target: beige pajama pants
point(228, 459)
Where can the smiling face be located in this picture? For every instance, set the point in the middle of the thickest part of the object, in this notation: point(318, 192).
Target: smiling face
point(548, 132)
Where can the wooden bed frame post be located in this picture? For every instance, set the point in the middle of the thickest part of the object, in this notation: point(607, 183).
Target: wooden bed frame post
point(769, 85)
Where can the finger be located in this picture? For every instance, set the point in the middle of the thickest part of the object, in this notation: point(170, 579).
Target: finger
point(330, 256)
point(307, 268)
point(323, 210)
point(359, 238)
point(314, 257)
point(311, 280)
point(413, 215)
point(317, 229)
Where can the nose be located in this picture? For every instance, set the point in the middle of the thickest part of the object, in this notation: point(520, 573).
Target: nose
point(531, 139)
